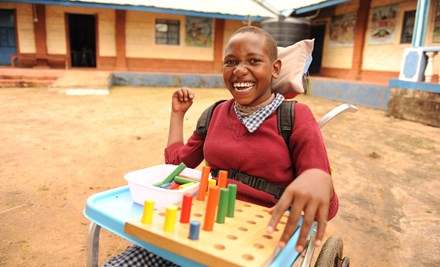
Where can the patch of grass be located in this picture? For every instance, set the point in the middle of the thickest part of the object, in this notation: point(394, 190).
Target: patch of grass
point(43, 187)
point(407, 143)
point(25, 249)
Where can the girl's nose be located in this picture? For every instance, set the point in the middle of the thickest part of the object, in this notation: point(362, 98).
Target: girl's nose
point(240, 70)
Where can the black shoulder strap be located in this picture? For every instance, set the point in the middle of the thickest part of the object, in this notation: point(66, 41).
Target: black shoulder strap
point(286, 119)
point(285, 116)
point(205, 118)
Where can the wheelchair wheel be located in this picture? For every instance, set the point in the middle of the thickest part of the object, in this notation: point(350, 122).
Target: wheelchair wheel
point(345, 262)
point(331, 254)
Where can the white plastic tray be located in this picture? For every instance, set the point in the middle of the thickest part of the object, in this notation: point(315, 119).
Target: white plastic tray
point(141, 186)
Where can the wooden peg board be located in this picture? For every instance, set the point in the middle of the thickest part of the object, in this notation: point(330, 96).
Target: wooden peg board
point(240, 241)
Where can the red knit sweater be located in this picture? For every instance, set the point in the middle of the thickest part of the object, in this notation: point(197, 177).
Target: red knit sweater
point(229, 145)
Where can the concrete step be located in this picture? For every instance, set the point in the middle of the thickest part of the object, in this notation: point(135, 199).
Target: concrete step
point(26, 77)
point(81, 82)
point(84, 79)
point(25, 82)
point(74, 82)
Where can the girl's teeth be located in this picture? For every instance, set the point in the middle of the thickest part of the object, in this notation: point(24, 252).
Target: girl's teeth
point(242, 86)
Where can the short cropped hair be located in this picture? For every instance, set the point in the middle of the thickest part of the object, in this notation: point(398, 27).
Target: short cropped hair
point(271, 44)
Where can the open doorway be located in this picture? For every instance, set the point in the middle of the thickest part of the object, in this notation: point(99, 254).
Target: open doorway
point(317, 32)
point(82, 38)
point(8, 45)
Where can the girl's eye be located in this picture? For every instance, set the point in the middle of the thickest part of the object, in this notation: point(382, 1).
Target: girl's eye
point(230, 62)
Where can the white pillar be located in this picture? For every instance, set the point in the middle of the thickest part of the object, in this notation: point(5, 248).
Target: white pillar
point(429, 71)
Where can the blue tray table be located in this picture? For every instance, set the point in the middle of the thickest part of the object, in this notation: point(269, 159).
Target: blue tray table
point(111, 209)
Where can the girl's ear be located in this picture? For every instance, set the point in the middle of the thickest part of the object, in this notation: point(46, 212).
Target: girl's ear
point(276, 69)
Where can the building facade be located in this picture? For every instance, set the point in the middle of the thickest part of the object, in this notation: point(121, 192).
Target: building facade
point(354, 40)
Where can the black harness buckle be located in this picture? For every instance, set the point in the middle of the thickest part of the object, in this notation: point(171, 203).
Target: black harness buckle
point(254, 182)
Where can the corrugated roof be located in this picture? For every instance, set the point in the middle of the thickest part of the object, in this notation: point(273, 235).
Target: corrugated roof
point(231, 7)
point(287, 7)
point(282, 5)
point(255, 10)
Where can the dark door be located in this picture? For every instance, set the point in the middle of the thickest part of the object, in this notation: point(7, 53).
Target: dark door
point(317, 32)
point(8, 45)
point(82, 38)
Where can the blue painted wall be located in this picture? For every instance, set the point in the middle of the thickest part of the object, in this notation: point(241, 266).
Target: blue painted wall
point(421, 86)
point(369, 95)
point(167, 80)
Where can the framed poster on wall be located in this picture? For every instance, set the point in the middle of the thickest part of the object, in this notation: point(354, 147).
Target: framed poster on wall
point(198, 32)
point(342, 30)
point(382, 28)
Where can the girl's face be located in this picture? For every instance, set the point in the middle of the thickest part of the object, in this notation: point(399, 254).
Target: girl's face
point(248, 70)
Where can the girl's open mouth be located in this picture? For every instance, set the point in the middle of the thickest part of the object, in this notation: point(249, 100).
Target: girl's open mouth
point(243, 87)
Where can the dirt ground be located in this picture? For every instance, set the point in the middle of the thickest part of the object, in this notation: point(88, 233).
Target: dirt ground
point(57, 150)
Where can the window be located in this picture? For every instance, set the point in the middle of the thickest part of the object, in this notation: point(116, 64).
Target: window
point(408, 27)
point(167, 31)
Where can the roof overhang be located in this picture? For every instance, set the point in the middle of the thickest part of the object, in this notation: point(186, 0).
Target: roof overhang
point(318, 6)
point(246, 10)
point(289, 7)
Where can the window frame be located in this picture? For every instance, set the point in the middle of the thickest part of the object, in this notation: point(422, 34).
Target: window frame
point(406, 36)
point(169, 36)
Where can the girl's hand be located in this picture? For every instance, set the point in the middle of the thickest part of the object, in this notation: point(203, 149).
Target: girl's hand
point(182, 100)
point(310, 193)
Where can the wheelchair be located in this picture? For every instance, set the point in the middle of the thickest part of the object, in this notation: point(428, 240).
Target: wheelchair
point(331, 253)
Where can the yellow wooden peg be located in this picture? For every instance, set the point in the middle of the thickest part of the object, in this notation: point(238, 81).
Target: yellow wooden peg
point(186, 185)
point(170, 218)
point(147, 216)
point(212, 182)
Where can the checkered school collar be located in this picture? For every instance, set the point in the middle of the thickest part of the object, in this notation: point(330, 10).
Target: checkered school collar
point(253, 121)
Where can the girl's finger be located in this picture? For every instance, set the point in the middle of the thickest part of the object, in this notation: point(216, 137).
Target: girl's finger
point(308, 219)
point(277, 211)
point(322, 224)
point(292, 223)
